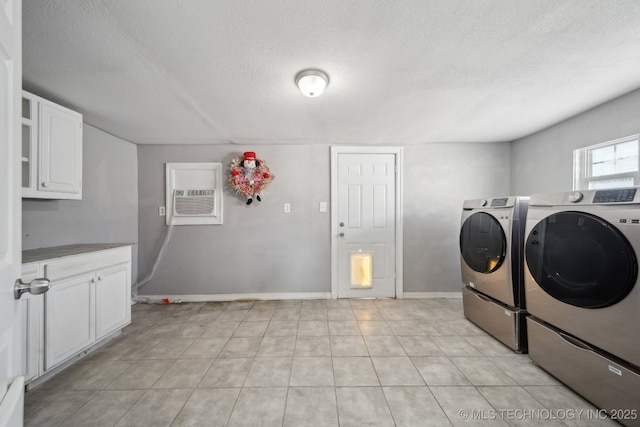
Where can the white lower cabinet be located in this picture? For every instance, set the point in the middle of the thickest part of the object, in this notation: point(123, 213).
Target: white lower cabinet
point(113, 299)
point(88, 300)
point(70, 318)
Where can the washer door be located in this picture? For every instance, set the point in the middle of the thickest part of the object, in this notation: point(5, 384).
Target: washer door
point(483, 244)
point(581, 259)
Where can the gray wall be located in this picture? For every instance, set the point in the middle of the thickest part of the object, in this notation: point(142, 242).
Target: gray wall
point(437, 179)
point(261, 249)
point(543, 162)
point(108, 210)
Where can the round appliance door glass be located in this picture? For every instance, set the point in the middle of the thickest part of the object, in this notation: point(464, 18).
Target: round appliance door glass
point(581, 259)
point(483, 244)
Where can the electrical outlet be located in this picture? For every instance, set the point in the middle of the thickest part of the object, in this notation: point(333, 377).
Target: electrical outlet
point(161, 211)
point(287, 207)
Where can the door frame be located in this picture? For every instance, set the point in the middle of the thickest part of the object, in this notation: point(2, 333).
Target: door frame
point(336, 151)
point(11, 352)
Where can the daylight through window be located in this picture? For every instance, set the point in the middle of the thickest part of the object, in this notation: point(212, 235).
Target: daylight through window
point(612, 164)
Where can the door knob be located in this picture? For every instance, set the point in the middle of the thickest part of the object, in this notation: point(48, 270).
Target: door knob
point(341, 234)
point(35, 287)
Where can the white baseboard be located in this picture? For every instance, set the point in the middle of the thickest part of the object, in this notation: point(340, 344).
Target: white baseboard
point(158, 299)
point(432, 295)
point(73, 359)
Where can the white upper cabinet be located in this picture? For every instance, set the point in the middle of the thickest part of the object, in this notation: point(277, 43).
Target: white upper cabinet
point(60, 149)
point(51, 150)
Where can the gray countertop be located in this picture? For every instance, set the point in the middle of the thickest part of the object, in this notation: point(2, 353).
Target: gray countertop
point(33, 255)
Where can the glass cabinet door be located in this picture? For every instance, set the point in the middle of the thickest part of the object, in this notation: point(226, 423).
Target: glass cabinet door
point(29, 136)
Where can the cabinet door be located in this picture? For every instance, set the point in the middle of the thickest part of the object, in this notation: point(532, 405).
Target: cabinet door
point(29, 145)
point(31, 310)
point(60, 149)
point(70, 321)
point(113, 299)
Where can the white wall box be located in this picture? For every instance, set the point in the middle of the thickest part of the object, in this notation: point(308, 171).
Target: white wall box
point(51, 150)
point(196, 187)
point(89, 301)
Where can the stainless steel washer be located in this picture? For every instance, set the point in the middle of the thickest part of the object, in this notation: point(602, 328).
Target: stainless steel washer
point(581, 290)
point(491, 240)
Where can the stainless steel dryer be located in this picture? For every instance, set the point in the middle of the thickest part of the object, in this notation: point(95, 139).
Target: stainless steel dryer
point(581, 282)
point(491, 241)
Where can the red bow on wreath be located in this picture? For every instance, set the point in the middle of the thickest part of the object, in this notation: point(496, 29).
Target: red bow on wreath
point(249, 175)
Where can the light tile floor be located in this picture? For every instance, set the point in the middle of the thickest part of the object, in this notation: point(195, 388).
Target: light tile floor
point(305, 363)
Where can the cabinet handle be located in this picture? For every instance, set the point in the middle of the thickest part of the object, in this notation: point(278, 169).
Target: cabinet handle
point(44, 184)
point(100, 277)
point(93, 280)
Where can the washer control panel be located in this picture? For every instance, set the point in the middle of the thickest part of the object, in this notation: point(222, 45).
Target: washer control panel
point(499, 202)
point(615, 196)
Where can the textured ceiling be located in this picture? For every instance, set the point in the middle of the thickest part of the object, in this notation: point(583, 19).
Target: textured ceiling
point(402, 71)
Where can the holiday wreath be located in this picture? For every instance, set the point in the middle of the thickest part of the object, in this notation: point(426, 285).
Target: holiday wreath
point(249, 175)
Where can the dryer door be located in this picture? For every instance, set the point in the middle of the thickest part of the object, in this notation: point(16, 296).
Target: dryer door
point(581, 259)
point(483, 244)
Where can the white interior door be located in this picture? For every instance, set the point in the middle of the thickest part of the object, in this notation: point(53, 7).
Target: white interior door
point(366, 226)
point(11, 382)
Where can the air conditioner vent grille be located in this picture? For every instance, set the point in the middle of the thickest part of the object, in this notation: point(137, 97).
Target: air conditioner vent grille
point(194, 202)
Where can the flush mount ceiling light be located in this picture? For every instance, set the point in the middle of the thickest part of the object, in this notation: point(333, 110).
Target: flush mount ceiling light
point(312, 82)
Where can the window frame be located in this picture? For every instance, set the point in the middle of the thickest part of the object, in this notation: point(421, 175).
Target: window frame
point(583, 164)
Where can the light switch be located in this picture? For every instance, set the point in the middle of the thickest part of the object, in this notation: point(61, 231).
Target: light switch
point(323, 206)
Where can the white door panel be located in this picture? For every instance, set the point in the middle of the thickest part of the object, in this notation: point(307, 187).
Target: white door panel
point(10, 211)
point(366, 225)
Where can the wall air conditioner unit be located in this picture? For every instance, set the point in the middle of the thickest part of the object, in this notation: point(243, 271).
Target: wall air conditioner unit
point(187, 203)
point(194, 193)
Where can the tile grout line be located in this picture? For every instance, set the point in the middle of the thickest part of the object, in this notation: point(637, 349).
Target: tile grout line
point(419, 317)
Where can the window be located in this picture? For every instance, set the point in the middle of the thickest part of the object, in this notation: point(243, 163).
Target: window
point(612, 164)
